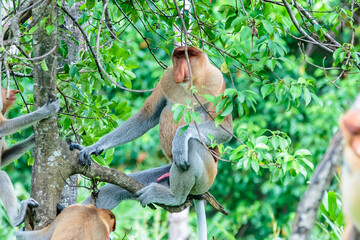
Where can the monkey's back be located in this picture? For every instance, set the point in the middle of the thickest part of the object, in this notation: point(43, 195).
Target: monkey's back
point(79, 222)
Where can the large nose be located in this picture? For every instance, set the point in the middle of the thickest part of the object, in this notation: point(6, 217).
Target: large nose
point(182, 71)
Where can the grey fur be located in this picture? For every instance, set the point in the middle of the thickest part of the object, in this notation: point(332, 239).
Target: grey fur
point(111, 195)
point(194, 168)
point(7, 193)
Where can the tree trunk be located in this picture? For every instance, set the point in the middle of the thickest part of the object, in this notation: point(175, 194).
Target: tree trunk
point(49, 162)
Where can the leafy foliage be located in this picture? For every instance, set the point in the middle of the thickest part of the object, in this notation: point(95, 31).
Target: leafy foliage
point(286, 93)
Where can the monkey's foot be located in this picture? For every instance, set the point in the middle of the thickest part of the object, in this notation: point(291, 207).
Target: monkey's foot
point(145, 196)
point(157, 193)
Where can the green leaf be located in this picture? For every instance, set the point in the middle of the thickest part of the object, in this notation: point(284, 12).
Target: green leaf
point(230, 92)
point(73, 71)
point(317, 99)
point(266, 90)
point(255, 166)
point(44, 66)
point(268, 27)
point(61, 20)
point(308, 163)
point(218, 120)
point(187, 117)
point(49, 29)
point(317, 27)
point(33, 29)
point(90, 4)
point(220, 105)
point(245, 34)
point(332, 205)
point(262, 146)
point(295, 91)
point(307, 96)
point(71, 3)
point(303, 171)
point(183, 129)
point(302, 152)
point(178, 111)
point(196, 117)
point(228, 109)
point(209, 97)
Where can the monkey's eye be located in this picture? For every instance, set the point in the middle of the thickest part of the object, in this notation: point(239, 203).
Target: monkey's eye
point(178, 57)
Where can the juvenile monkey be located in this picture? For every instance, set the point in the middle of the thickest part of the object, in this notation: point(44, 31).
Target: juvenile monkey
point(194, 168)
point(350, 127)
point(77, 222)
point(8, 155)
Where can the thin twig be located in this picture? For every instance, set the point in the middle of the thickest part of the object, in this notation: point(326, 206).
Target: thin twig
point(98, 59)
point(163, 65)
point(68, 109)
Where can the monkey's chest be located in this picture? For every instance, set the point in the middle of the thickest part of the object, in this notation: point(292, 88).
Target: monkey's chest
point(167, 130)
point(351, 196)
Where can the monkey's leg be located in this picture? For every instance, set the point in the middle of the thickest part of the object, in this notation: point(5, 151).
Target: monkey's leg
point(197, 179)
point(111, 195)
point(17, 150)
point(8, 197)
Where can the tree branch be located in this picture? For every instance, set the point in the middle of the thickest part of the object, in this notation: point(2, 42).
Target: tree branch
point(320, 181)
point(118, 178)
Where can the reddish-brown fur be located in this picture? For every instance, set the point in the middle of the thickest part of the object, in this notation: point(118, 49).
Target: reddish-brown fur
point(7, 103)
point(350, 127)
point(77, 222)
point(206, 79)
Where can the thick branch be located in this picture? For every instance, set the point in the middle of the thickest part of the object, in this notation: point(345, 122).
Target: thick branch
point(308, 207)
point(323, 174)
point(113, 176)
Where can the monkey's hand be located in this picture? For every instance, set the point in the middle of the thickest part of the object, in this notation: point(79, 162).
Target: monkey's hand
point(85, 153)
point(50, 108)
point(180, 149)
point(30, 202)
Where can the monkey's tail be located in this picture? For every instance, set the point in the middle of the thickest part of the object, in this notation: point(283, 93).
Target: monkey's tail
point(201, 219)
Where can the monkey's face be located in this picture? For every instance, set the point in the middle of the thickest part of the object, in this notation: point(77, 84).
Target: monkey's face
point(350, 127)
point(8, 102)
point(181, 68)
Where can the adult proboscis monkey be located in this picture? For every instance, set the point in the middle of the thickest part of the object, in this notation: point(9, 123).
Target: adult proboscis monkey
point(77, 222)
point(350, 179)
point(194, 168)
point(8, 155)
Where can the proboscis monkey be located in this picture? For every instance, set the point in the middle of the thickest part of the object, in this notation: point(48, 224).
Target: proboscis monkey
point(194, 169)
point(8, 155)
point(350, 127)
point(76, 222)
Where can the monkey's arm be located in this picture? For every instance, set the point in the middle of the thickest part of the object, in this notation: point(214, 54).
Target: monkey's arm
point(13, 125)
point(146, 118)
point(9, 200)
point(17, 150)
point(180, 142)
